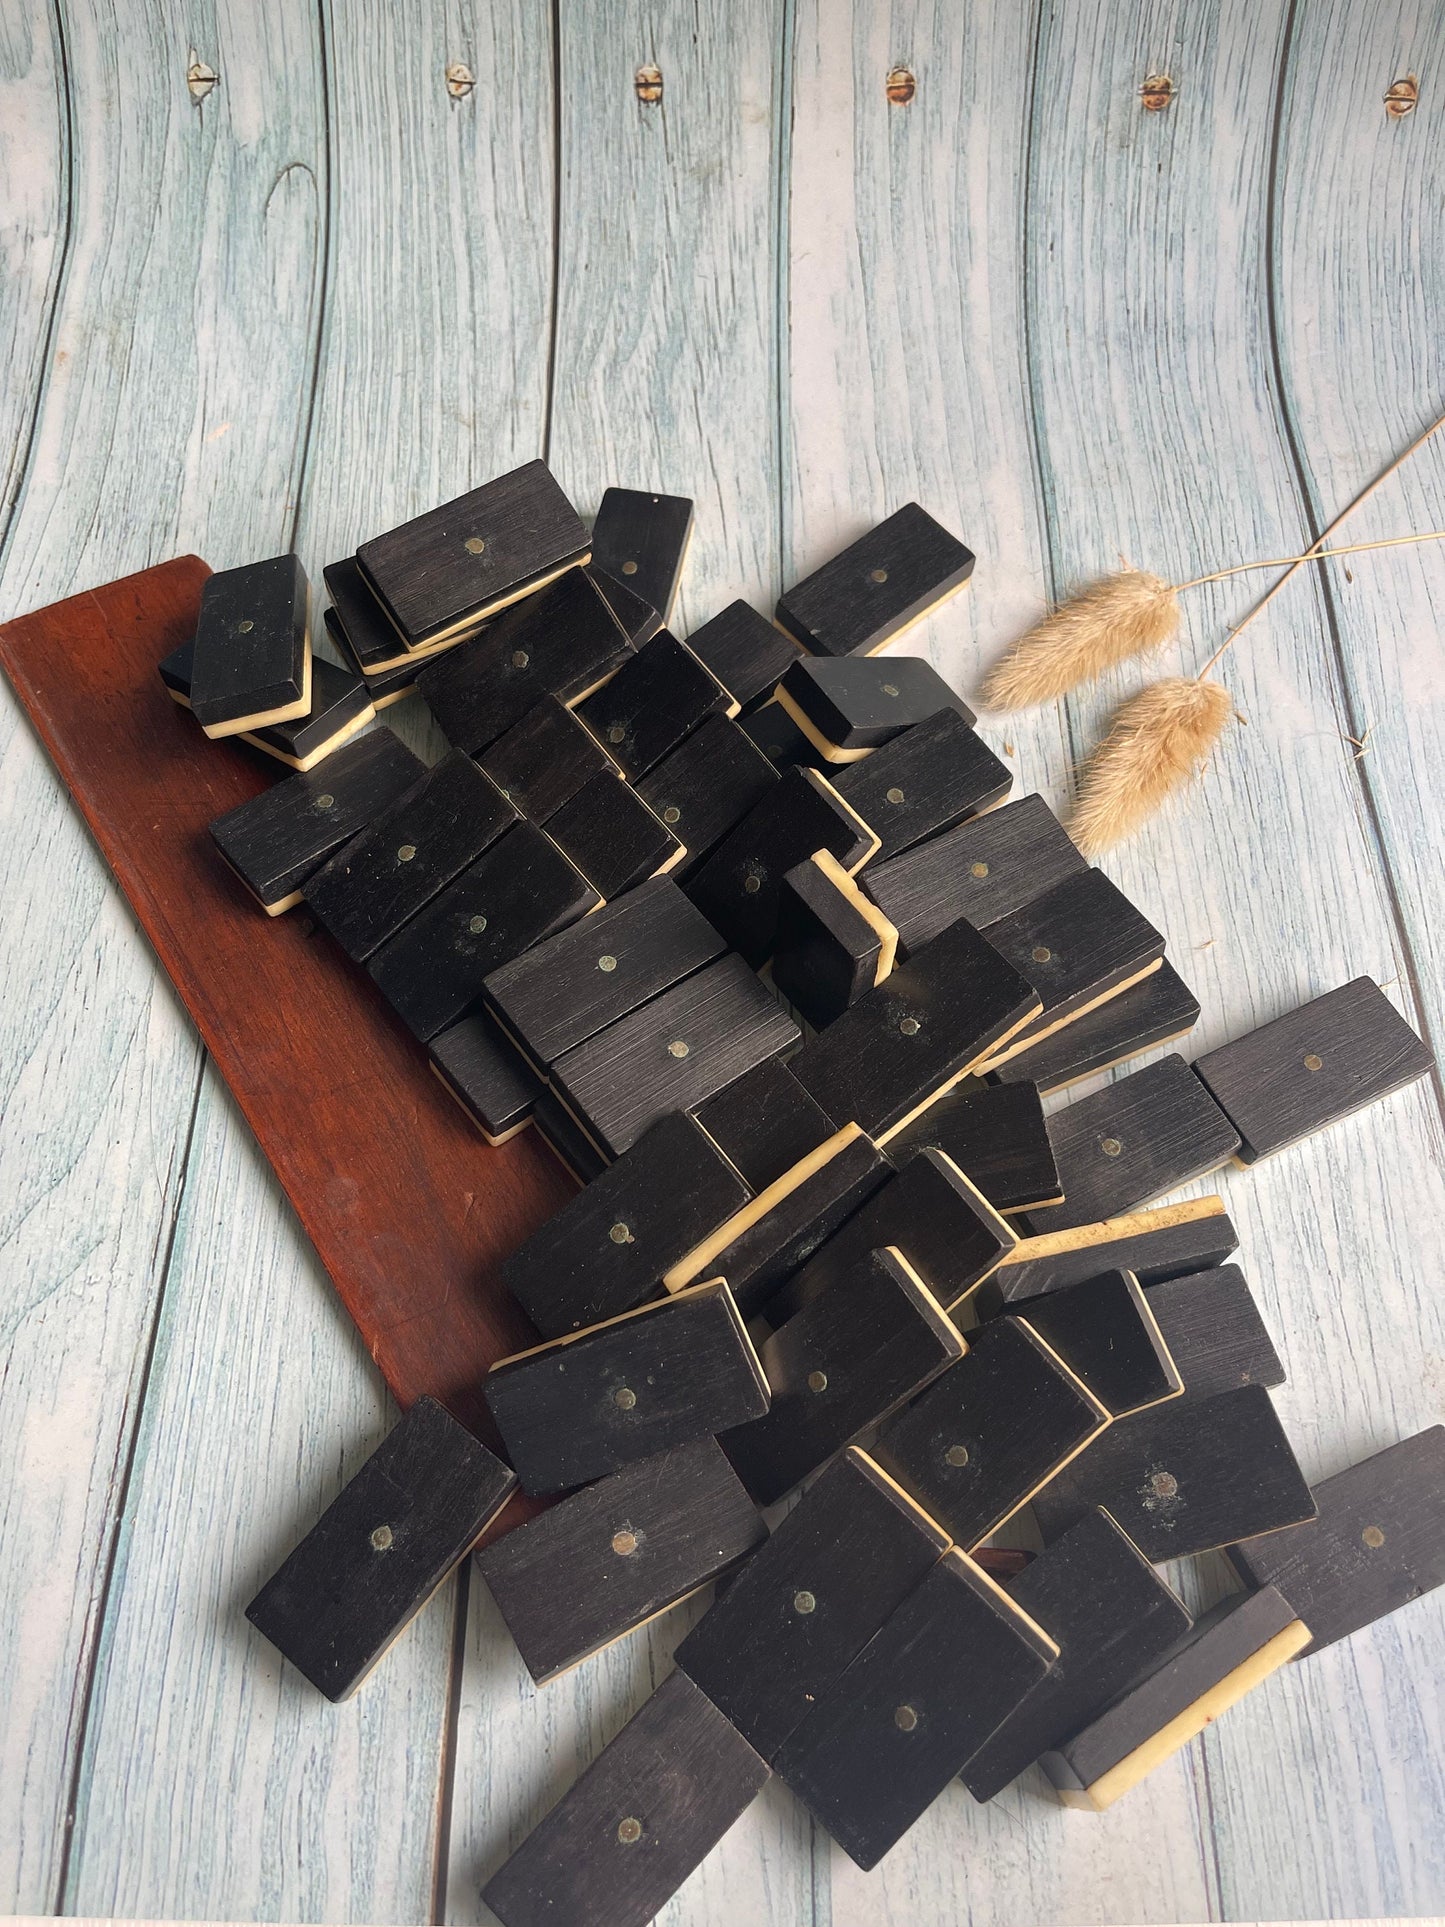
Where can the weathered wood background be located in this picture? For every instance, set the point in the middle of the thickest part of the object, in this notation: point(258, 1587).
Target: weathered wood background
point(333, 292)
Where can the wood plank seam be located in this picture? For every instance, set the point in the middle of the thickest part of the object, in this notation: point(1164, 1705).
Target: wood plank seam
point(323, 301)
point(1315, 515)
point(127, 1449)
point(447, 1762)
point(26, 463)
point(95, 1641)
point(549, 387)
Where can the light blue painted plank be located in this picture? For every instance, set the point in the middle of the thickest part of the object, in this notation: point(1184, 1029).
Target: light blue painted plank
point(216, 1782)
point(1359, 221)
point(431, 377)
point(1161, 435)
point(99, 1069)
point(907, 374)
point(34, 223)
point(666, 370)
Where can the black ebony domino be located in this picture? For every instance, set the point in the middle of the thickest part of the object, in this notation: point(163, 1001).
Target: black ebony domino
point(832, 944)
point(1158, 1009)
point(656, 699)
point(764, 1123)
point(1112, 1618)
point(1214, 1331)
point(1078, 945)
point(566, 1140)
point(1106, 1332)
point(487, 1076)
point(901, 1045)
point(655, 1802)
point(996, 1135)
point(672, 1053)
point(779, 1229)
point(640, 621)
point(1187, 1476)
point(954, 1661)
point(851, 704)
point(519, 891)
point(614, 1555)
point(562, 642)
point(876, 586)
point(251, 665)
point(707, 786)
point(174, 671)
point(544, 759)
point(614, 839)
point(807, 1603)
point(985, 869)
point(565, 990)
point(1165, 1242)
point(925, 781)
point(407, 853)
point(994, 1429)
point(1312, 1067)
point(277, 840)
point(843, 1363)
point(585, 1405)
point(384, 686)
point(371, 638)
point(738, 887)
point(606, 1249)
point(1378, 1543)
point(1133, 1141)
point(440, 575)
point(641, 539)
point(774, 732)
point(748, 654)
point(341, 705)
point(381, 1549)
point(1226, 1654)
point(947, 1231)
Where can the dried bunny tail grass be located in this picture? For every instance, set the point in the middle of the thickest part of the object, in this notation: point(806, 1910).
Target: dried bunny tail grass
point(1158, 742)
point(1110, 621)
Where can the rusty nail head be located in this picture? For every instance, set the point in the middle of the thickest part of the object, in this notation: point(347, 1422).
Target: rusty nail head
point(1156, 93)
point(647, 84)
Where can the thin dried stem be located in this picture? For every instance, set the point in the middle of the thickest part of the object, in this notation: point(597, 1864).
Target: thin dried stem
point(1325, 534)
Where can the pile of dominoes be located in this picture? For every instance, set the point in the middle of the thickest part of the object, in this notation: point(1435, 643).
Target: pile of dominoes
point(746, 926)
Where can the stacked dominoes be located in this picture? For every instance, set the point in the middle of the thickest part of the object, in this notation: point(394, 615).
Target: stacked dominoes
point(746, 927)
